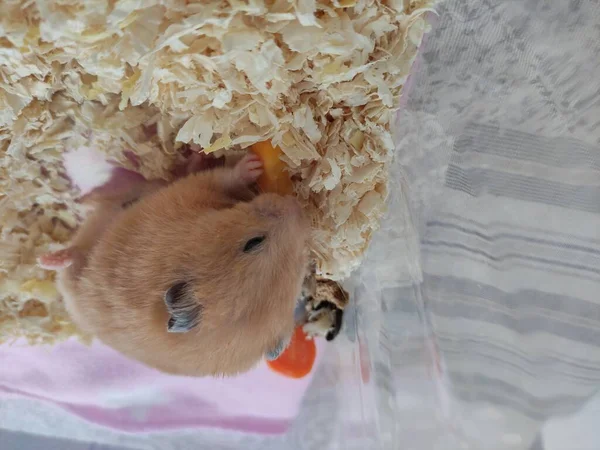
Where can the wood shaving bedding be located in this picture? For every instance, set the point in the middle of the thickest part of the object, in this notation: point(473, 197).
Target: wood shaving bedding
point(320, 78)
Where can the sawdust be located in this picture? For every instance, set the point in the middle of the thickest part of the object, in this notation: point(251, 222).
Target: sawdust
point(320, 78)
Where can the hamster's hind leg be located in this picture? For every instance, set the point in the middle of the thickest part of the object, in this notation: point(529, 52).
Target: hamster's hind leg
point(58, 260)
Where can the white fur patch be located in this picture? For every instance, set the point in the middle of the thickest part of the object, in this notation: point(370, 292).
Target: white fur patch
point(87, 168)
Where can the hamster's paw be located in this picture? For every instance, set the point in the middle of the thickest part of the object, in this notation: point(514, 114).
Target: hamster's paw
point(200, 162)
point(56, 260)
point(196, 161)
point(249, 168)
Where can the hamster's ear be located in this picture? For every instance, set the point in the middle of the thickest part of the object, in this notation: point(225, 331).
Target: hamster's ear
point(184, 310)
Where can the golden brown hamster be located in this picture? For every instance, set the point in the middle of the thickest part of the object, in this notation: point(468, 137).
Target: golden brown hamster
point(198, 277)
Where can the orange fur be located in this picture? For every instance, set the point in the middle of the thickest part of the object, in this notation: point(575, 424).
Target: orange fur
point(193, 231)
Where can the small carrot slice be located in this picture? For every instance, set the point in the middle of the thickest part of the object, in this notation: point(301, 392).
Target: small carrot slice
point(274, 178)
point(298, 359)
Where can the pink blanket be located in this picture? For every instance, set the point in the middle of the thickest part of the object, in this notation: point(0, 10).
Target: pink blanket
point(102, 386)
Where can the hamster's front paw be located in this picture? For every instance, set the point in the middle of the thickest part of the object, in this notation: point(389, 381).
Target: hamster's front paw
point(197, 161)
point(200, 162)
point(249, 168)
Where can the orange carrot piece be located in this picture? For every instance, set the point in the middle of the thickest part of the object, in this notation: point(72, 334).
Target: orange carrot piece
point(274, 178)
point(298, 359)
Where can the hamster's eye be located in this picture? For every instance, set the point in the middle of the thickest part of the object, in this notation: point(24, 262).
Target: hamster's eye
point(253, 243)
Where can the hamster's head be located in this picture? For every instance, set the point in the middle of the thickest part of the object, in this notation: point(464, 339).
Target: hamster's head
point(238, 279)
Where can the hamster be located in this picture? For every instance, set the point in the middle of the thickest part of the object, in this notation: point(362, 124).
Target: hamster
point(198, 277)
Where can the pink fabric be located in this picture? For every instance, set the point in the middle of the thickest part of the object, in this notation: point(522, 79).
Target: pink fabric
point(102, 386)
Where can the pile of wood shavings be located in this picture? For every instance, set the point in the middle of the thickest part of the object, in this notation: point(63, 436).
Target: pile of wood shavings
point(320, 78)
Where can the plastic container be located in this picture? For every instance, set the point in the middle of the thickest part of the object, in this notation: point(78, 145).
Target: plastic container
point(417, 365)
